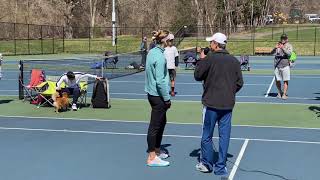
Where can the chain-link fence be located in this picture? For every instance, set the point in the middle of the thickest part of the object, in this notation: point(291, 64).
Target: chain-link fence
point(246, 40)
point(21, 39)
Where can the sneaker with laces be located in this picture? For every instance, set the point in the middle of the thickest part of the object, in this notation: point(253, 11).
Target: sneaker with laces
point(157, 162)
point(74, 107)
point(162, 155)
point(202, 168)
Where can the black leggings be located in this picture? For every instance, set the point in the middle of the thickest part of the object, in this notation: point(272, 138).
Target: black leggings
point(157, 123)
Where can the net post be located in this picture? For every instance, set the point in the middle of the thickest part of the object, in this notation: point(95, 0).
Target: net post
point(20, 80)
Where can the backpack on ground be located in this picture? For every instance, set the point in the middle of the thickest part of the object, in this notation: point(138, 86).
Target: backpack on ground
point(100, 96)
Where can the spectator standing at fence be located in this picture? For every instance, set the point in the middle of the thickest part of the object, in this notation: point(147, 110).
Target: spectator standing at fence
point(143, 51)
point(172, 57)
point(222, 78)
point(282, 52)
point(157, 89)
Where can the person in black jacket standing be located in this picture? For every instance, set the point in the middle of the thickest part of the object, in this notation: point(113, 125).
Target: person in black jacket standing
point(222, 79)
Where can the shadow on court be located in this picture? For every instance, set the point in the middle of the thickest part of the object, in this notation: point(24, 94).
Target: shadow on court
point(5, 101)
point(315, 109)
point(272, 94)
point(196, 154)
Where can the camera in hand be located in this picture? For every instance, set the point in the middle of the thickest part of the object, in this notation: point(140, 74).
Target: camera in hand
point(205, 50)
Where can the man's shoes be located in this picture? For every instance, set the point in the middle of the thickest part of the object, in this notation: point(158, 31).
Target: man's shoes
point(202, 168)
point(74, 107)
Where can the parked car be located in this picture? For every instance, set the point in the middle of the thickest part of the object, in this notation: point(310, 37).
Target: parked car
point(268, 19)
point(313, 18)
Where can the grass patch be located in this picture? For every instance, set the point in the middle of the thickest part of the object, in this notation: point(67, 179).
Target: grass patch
point(183, 112)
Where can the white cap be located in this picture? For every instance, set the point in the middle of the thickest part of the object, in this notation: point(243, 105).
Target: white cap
point(170, 36)
point(218, 37)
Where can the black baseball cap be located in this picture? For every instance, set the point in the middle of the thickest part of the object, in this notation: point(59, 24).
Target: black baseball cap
point(70, 75)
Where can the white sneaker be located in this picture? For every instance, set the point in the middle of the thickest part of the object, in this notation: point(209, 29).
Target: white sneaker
point(162, 155)
point(202, 168)
point(74, 107)
point(157, 162)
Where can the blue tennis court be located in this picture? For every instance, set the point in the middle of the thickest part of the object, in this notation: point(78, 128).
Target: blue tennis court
point(43, 148)
point(72, 148)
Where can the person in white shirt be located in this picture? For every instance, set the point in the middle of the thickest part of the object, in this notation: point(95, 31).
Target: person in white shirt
point(72, 80)
point(172, 57)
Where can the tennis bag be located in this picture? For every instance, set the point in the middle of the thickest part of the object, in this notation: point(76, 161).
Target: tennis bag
point(100, 96)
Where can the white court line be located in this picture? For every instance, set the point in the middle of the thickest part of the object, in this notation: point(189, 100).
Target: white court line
point(186, 83)
point(199, 95)
point(236, 164)
point(143, 134)
point(146, 122)
point(269, 89)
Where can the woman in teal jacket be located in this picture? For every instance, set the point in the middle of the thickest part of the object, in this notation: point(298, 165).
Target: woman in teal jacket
point(157, 88)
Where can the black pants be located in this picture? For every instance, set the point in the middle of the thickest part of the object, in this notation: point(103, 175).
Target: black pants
point(73, 91)
point(157, 123)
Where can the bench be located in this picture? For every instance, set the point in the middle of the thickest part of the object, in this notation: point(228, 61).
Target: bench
point(263, 50)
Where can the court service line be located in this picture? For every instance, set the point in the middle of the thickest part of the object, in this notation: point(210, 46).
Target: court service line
point(270, 86)
point(145, 122)
point(143, 134)
point(236, 164)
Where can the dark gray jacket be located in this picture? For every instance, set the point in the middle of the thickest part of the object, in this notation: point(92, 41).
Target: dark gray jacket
point(222, 79)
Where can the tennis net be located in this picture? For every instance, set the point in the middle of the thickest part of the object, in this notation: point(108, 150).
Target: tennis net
point(113, 66)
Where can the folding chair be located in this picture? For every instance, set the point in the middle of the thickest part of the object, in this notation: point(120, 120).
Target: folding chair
point(37, 77)
point(45, 91)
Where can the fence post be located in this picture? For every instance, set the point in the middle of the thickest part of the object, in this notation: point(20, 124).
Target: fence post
point(41, 38)
point(90, 39)
point(14, 39)
point(297, 35)
point(28, 38)
point(253, 39)
point(53, 32)
point(63, 39)
point(142, 32)
point(116, 40)
point(315, 41)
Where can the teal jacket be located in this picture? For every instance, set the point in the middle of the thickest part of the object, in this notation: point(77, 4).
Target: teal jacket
point(157, 76)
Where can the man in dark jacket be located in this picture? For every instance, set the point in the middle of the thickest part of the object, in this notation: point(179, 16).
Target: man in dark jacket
point(222, 79)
